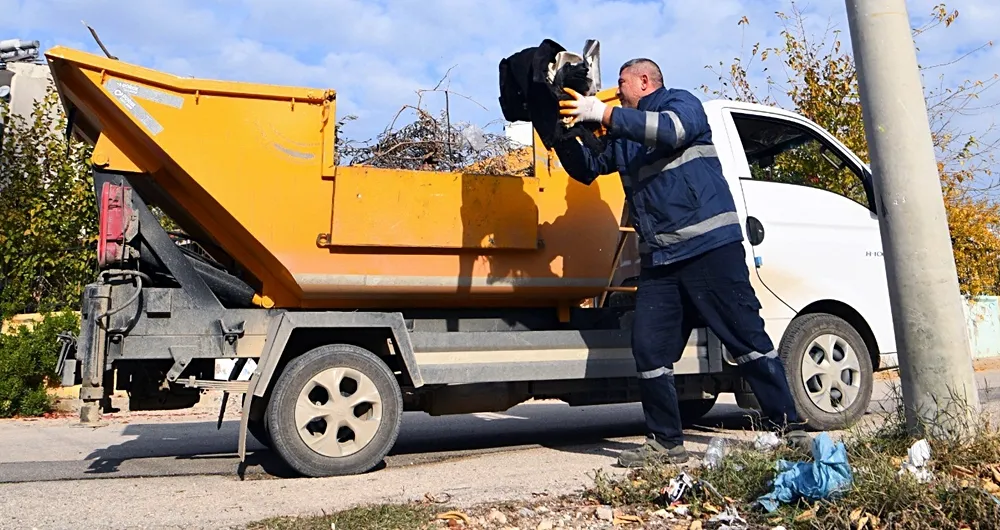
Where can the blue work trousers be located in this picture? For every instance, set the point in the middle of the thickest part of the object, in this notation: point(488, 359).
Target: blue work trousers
point(713, 290)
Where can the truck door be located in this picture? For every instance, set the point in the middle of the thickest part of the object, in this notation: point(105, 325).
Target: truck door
point(811, 218)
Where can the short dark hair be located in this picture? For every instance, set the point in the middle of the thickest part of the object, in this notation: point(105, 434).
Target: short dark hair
point(652, 68)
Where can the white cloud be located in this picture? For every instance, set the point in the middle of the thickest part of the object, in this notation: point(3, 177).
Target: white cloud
point(376, 54)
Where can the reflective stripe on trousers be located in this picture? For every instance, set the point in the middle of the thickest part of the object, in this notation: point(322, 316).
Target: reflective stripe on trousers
point(753, 356)
point(658, 372)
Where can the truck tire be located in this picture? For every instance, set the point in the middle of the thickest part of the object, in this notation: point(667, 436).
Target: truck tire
point(258, 429)
point(335, 410)
point(829, 370)
point(693, 410)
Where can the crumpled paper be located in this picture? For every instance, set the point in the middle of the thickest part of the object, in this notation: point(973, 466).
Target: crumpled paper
point(916, 462)
point(827, 476)
point(730, 520)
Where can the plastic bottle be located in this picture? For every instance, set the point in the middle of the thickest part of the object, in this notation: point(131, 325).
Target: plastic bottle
point(715, 453)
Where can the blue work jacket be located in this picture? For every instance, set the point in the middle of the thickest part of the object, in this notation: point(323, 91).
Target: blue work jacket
point(680, 203)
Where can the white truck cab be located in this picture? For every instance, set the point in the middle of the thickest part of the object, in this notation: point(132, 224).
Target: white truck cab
point(811, 232)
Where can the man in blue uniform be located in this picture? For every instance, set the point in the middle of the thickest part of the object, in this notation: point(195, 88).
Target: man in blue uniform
point(691, 247)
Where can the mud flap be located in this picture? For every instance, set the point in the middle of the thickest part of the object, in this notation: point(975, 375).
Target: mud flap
point(245, 415)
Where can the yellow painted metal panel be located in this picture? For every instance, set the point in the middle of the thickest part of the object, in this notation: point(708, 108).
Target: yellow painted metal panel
point(108, 156)
point(251, 165)
point(389, 208)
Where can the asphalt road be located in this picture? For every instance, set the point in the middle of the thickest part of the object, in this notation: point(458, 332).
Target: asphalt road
point(59, 450)
point(175, 471)
point(156, 446)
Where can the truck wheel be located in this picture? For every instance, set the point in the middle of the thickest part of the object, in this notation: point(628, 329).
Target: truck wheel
point(258, 429)
point(829, 370)
point(335, 410)
point(693, 410)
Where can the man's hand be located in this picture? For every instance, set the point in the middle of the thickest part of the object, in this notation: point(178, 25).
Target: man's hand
point(584, 108)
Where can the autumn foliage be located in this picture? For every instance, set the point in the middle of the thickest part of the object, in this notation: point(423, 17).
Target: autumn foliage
point(820, 82)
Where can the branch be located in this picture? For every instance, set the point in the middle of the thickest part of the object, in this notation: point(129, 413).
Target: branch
point(949, 63)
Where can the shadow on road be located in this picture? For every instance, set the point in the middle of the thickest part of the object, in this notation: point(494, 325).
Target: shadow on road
point(191, 442)
point(589, 430)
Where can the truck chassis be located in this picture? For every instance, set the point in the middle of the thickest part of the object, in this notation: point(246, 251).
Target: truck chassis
point(330, 387)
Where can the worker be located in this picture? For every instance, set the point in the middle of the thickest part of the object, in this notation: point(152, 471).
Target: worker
point(693, 264)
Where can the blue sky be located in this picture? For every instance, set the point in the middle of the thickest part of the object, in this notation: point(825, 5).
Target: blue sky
point(376, 54)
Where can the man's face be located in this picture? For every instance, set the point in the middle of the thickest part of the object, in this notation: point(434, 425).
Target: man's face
point(631, 87)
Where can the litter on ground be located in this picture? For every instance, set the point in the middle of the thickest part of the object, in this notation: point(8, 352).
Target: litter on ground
point(828, 475)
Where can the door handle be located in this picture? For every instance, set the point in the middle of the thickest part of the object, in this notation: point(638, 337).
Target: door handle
point(755, 231)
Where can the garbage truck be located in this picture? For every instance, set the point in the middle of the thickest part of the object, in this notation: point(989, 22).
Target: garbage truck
point(353, 294)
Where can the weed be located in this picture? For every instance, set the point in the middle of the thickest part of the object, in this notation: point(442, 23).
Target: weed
point(378, 517)
point(963, 493)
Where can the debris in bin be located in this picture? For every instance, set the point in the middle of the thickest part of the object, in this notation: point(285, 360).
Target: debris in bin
point(475, 137)
point(916, 462)
point(433, 143)
point(767, 442)
point(827, 476)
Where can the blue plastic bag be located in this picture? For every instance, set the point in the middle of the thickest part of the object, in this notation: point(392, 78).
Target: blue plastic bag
point(827, 476)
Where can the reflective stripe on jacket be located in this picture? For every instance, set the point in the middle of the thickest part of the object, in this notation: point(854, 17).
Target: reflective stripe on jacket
point(680, 203)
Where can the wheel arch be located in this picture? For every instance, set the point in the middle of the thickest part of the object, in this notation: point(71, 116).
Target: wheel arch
point(852, 317)
point(384, 334)
point(295, 333)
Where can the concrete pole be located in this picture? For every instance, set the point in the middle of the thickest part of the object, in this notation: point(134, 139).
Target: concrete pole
point(938, 380)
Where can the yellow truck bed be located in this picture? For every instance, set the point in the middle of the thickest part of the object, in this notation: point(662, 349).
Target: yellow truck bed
point(252, 167)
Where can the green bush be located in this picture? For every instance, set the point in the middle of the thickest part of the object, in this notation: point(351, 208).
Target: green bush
point(48, 215)
point(28, 361)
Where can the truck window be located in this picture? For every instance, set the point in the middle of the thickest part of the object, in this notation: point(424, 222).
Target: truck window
point(779, 151)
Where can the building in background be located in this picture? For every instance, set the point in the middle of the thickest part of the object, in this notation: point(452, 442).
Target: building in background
point(29, 81)
point(23, 78)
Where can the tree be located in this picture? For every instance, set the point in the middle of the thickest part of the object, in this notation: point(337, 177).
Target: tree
point(821, 84)
point(49, 224)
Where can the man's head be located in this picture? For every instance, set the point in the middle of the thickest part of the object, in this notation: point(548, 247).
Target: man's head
point(637, 78)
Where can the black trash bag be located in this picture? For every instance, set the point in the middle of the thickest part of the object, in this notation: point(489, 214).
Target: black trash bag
point(527, 95)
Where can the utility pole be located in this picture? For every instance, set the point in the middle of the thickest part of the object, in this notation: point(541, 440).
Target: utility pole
point(938, 380)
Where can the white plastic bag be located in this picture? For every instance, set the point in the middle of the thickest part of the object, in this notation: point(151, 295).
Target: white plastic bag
point(474, 135)
point(916, 461)
point(767, 442)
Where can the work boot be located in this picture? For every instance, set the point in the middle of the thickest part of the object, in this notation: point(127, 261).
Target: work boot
point(653, 452)
point(800, 441)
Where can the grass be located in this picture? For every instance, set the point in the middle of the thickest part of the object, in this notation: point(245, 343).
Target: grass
point(378, 517)
point(961, 495)
point(964, 493)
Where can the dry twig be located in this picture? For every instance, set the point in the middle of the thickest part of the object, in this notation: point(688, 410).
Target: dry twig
point(433, 143)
